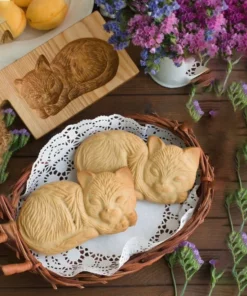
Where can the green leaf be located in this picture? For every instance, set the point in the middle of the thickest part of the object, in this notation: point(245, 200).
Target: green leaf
point(244, 151)
point(241, 278)
point(230, 199)
point(245, 115)
point(172, 259)
point(237, 96)
point(241, 201)
point(237, 247)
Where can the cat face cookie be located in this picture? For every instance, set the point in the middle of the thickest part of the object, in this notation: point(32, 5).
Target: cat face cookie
point(162, 173)
point(110, 199)
point(169, 172)
point(62, 215)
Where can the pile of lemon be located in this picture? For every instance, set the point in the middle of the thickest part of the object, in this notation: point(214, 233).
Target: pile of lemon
point(39, 14)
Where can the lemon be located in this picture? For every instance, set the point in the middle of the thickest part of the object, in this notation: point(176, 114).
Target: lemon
point(46, 14)
point(14, 16)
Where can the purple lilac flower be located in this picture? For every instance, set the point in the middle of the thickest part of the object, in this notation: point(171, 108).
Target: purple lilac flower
point(112, 26)
point(9, 111)
point(187, 244)
point(213, 262)
point(198, 107)
point(140, 5)
point(153, 72)
point(21, 132)
point(213, 113)
point(158, 9)
point(112, 7)
point(15, 132)
point(244, 238)
point(209, 35)
point(144, 54)
point(24, 132)
point(193, 248)
point(244, 86)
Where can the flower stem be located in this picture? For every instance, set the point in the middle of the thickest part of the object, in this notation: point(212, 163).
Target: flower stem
point(211, 290)
point(184, 288)
point(238, 172)
point(230, 218)
point(242, 225)
point(229, 71)
point(174, 282)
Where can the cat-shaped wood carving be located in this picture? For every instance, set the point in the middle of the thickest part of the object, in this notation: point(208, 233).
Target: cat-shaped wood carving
point(162, 173)
point(80, 67)
point(62, 215)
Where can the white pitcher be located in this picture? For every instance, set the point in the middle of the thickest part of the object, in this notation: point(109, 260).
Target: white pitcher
point(172, 76)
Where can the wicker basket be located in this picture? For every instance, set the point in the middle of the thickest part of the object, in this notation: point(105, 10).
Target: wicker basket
point(136, 262)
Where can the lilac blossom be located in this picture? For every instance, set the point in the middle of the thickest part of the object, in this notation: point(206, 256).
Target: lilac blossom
point(244, 86)
point(9, 111)
point(198, 107)
point(244, 238)
point(213, 262)
point(213, 113)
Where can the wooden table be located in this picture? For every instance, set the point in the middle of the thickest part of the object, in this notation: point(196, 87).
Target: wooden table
point(218, 136)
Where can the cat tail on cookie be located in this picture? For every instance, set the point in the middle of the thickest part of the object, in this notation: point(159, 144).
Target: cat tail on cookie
point(44, 223)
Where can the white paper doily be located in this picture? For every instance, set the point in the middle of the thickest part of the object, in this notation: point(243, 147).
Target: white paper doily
point(106, 254)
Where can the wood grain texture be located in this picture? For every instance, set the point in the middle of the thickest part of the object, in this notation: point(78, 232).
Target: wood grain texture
point(193, 290)
point(219, 137)
point(87, 28)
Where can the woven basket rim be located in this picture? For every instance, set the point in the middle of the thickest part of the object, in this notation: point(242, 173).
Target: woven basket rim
point(138, 261)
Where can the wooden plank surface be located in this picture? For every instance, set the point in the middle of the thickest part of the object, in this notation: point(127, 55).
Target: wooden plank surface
point(90, 27)
point(219, 138)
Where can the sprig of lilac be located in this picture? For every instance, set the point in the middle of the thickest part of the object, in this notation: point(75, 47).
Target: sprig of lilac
point(188, 256)
point(190, 260)
point(19, 139)
point(237, 241)
point(193, 106)
point(215, 275)
point(237, 94)
point(9, 116)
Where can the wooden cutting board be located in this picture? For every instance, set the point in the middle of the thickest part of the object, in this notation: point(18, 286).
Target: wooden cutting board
point(89, 27)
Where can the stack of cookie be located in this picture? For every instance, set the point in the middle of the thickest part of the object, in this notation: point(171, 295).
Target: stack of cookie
point(114, 169)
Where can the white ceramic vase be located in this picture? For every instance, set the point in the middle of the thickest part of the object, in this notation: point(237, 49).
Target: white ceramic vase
point(172, 76)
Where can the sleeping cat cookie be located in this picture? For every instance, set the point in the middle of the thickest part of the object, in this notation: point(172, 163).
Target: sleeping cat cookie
point(162, 173)
point(62, 215)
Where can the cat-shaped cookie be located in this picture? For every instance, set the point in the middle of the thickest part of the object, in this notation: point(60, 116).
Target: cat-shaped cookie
point(80, 67)
point(62, 215)
point(162, 173)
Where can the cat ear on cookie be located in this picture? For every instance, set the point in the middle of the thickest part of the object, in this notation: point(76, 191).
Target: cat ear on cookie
point(125, 176)
point(42, 63)
point(85, 178)
point(193, 154)
point(155, 144)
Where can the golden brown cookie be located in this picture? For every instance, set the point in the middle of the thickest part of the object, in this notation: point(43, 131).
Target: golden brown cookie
point(62, 215)
point(162, 173)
